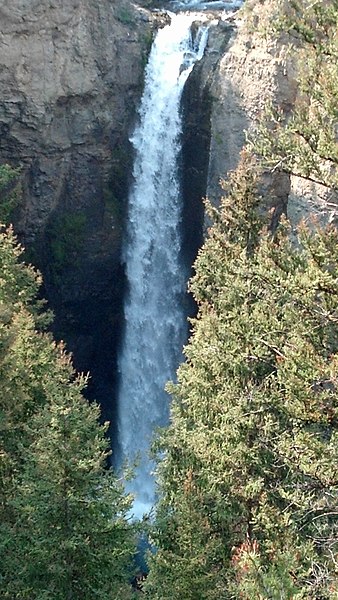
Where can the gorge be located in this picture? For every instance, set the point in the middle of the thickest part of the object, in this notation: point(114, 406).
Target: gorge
point(72, 79)
point(119, 117)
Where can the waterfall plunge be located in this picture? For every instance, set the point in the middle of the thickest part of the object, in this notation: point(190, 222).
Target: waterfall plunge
point(155, 321)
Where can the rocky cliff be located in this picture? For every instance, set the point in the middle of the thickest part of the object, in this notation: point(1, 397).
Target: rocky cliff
point(255, 68)
point(71, 75)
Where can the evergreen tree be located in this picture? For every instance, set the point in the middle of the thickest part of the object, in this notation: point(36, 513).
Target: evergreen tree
point(25, 359)
point(248, 470)
point(75, 539)
point(64, 532)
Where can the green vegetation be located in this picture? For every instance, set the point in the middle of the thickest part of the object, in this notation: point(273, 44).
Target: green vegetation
point(125, 15)
point(249, 480)
point(306, 143)
point(248, 466)
point(247, 469)
point(64, 531)
point(66, 236)
point(146, 40)
point(9, 192)
point(73, 538)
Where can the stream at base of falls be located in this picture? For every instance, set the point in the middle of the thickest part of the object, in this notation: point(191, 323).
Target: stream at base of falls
point(155, 314)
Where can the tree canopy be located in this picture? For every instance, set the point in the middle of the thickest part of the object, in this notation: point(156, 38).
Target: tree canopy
point(248, 478)
point(64, 529)
point(247, 468)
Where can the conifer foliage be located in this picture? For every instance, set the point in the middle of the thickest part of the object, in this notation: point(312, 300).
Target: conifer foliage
point(72, 514)
point(64, 533)
point(248, 478)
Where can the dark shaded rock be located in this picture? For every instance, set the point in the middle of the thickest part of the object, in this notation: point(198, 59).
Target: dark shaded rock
point(71, 75)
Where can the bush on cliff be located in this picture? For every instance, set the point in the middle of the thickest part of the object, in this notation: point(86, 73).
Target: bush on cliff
point(305, 143)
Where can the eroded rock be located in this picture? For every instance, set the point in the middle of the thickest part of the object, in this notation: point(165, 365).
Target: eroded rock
point(71, 76)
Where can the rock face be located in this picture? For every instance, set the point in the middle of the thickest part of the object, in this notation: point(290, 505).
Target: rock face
point(71, 75)
point(253, 70)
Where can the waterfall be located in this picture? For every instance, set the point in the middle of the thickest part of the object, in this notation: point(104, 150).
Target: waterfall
point(155, 320)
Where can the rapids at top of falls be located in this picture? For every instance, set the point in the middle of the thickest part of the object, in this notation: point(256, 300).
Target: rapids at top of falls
point(200, 5)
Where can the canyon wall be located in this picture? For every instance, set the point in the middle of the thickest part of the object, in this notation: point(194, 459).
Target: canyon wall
point(71, 76)
point(255, 68)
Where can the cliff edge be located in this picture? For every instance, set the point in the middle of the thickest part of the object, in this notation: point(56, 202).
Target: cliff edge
point(255, 69)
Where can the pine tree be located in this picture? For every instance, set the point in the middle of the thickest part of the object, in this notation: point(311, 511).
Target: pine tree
point(25, 359)
point(64, 531)
point(75, 539)
point(248, 477)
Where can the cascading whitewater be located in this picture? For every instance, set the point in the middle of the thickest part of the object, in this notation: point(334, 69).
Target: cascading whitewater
point(206, 4)
point(155, 321)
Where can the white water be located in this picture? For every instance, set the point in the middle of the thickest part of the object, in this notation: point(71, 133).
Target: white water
point(155, 328)
point(226, 5)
